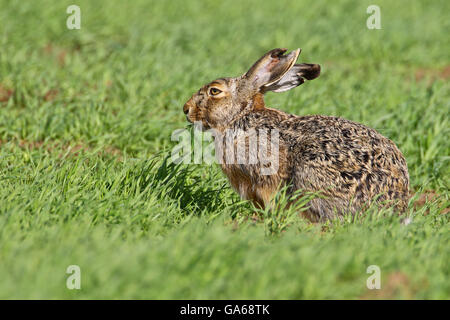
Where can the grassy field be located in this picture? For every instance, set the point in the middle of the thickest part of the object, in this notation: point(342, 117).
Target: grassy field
point(86, 118)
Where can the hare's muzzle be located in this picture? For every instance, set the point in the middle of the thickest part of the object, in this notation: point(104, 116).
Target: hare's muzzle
point(187, 106)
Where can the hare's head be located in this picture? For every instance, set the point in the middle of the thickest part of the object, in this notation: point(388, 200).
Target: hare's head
point(221, 101)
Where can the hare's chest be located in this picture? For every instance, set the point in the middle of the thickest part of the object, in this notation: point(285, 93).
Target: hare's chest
point(258, 191)
point(239, 180)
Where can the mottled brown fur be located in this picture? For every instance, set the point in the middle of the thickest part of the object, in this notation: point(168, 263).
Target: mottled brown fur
point(350, 164)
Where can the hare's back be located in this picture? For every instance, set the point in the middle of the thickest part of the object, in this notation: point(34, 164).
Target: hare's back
point(357, 160)
point(338, 138)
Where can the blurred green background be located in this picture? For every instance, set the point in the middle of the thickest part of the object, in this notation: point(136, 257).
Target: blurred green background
point(85, 123)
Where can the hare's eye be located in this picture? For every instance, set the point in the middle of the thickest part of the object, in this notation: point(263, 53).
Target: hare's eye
point(214, 91)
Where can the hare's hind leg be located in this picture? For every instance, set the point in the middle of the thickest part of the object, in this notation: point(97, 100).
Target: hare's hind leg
point(323, 209)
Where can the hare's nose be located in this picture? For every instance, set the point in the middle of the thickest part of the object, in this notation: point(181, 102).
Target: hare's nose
point(186, 109)
point(187, 106)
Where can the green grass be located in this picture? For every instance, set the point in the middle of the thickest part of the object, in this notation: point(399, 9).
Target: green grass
point(85, 123)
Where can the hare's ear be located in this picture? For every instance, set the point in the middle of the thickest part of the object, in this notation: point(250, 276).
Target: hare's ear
point(294, 77)
point(270, 68)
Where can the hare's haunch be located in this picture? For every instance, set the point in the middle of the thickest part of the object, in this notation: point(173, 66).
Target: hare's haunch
point(349, 164)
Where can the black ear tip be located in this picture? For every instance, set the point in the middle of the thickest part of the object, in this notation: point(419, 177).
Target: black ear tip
point(316, 70)
point(277, 52)
point(309, 71)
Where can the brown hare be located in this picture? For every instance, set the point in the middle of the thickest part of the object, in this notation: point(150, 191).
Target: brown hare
point(347, 163)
